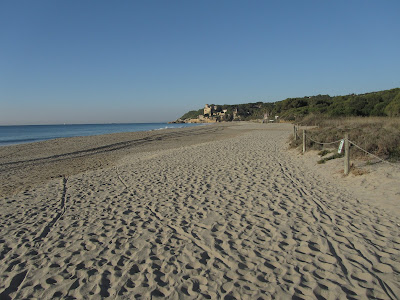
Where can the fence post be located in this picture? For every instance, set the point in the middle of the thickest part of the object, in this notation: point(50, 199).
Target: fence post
point(304, 141)
point(346, 154)
point(295, 132)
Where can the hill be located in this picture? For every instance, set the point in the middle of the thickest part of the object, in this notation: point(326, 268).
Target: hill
point(382, 103)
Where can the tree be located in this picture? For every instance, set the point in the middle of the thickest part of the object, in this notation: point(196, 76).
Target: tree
point(393, 108)
point(193, 114)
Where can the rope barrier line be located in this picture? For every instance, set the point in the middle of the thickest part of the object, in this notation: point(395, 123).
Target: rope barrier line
point(346, 155)
point(338, 141)
point(354, 144)
point(377, 157)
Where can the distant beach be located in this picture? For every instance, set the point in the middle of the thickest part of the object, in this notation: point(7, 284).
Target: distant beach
point(211, 212)
point(11, 135)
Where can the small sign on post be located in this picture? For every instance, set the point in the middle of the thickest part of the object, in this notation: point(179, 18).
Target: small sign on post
point(340, 146)
point(346, 154)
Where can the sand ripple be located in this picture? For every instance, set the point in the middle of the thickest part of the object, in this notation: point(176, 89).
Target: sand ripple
point(236, 219)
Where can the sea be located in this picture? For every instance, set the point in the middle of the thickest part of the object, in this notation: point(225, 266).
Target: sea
point(20, 134)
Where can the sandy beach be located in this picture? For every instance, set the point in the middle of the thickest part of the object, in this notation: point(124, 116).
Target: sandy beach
point(214, 212)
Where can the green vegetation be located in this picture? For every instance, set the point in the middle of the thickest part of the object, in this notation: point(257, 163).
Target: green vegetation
point(253, 111)
point(193, 114)
point(324, 152)
point(334, 156)
point(383, 103)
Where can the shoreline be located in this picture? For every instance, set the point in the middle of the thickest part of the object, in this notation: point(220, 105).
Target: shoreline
point(81, 130)
point(224, 211)
point(25, 165)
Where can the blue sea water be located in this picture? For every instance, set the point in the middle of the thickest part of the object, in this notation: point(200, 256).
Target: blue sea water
point(34, 133)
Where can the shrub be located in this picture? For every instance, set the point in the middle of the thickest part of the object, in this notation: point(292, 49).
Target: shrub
point(377, 135)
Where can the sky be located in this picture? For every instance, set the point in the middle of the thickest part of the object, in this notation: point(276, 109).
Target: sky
point(152, 61)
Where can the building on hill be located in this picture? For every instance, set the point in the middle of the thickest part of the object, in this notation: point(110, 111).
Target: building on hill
point(235, 114)
point(207, 110)
point(213, 113)
point(266, 118)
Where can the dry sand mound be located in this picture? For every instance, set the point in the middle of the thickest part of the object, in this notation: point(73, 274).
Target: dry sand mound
point(238, 218)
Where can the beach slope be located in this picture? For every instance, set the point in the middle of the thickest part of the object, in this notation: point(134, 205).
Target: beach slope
point(235, 216)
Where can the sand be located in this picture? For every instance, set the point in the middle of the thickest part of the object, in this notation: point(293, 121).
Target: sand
point(68, 156)
point(232, 216)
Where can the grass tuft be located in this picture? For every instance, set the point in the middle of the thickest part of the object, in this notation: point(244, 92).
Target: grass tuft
point(322, 153)
point(334, 156)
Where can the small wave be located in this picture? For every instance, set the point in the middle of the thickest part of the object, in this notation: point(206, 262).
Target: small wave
point(19, 141)
point(35, 133)
point(167, 127)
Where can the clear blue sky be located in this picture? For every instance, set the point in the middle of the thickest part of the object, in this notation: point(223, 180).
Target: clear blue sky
point(148, 61)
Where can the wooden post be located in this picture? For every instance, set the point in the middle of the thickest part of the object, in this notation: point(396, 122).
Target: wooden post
point(295, 132)
point(346, 154)
point(304, 141)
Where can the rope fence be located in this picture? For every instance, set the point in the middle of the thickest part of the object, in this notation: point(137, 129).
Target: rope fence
point(343, 142)
point(327, 143)
point(377, 157)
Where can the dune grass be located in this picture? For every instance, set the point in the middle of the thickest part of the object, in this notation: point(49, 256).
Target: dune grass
point(377, 135)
